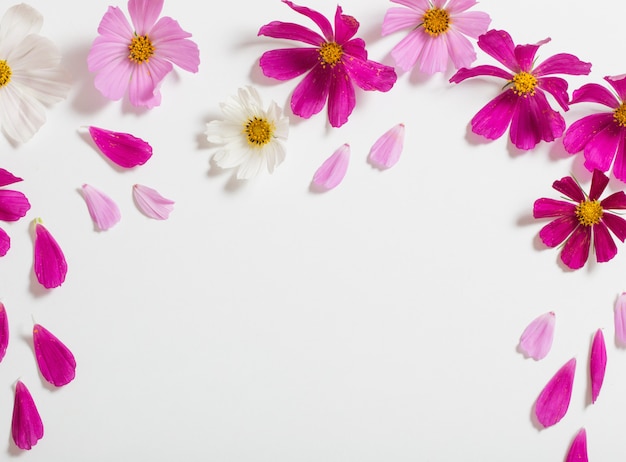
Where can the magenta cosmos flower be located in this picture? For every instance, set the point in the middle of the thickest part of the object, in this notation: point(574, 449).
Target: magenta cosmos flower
point(601, 136)
point(334, 62)
point(438, 31)
point(138, 58)
point(523, 104)
point(581, 220)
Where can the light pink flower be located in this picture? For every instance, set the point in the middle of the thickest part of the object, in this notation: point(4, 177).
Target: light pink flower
point(578, 449)
point(123, 149)
point(50, 266)
point(103, 211)
point(333, 170)
point(4, 331)
point(536, 340)
point(620, 320)
point(597, 364)
point(26, 425)
point(553, 401)
point(151, 203)
point(437, 33)
point(385, 152)
point(138, 58)
point(56, 362)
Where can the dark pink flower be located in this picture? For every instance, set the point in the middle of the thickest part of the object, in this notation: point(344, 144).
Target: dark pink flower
point(334, 61)
point(578, 449)
point(56, 362)
point(553, 401)
point(581, 219)
point(26, 425)
point(124, 149)
point(4, 331)
point(597, 364)
point(523, 104)
point(50, 266)
point(601, 136)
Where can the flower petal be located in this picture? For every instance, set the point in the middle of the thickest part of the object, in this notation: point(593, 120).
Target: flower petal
point(594, 93)
point(546, 207)
point(311, 93)
point(386, 151)
point(121, 148)
point(5, 242)
point(103, 211)
point(143, 14)
point(536, 340)
point(578, 449)
point(584, 130)
point(558, 230)
point(576, 249)
point(333, 170)
point(554, 399)
point(597, 364)
point(50, 266)
point(620, 320)
point(287, 63)
point(13, 205)
point(499, 45)
point(151, 203)
point(341, 97)
point(494, 118)
point(603, 243)
point(7, 178)
point(290, 31)
point(4, 331)
point(26, 424)
point(562, 63)
point(56, 362)
point(317, 18)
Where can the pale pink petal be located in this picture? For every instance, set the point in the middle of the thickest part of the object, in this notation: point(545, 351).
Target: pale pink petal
point(151, 203)
point(386, 151)
point(50, 266)
point(400, 18)
point(578, 449)
point(333, 170)
point(103, 211)
point(597, 364)
point(4, 331)
point(121, 148)
point(172, 43)
point(5, 242)
point(536, 340)
point(554, 399)
point(144, 13)
point(56, 362)
point(26, 424)
point(620, 320)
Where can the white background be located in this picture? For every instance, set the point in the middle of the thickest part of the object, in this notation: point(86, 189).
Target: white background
point(263, 322)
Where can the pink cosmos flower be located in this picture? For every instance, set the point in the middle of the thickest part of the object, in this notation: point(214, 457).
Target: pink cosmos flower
point(553, 401)
point(385, 152)
point(103, 210)
point(601, 136)
point(56, 362)
point(586, 216)
point(536, 340)
point(523, 104)
point(123, 149)
point(438, 31)
point(578, 449)
point(138, 58)
point(26, 425)
point(4, 331)
point(50, 266)
point(333, 170)
point(334, 61)
point(597, 364)
point(620, 320)
point(152, 203)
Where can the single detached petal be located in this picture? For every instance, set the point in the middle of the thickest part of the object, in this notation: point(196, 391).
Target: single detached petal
point(50, 266)
point(536, 340)
point(333, 170)
point(578, 449)
point(386, 151)
point(122, 148)
point(597, 364)
point(7, 178)
point(151, 203)
point(26, 425)
point(620, 320)
point(4, 331)
point(13, 205)
point(56, 362)
point(553, 401)
point(104, 212)
point(5, 242)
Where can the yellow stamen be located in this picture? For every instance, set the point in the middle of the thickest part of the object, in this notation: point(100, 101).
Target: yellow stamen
point(258, 131)
point(5, 73)
point(330, 53)
point(619, 115)
point(524, 84)
point(436, 21)
point(589, 213)
point(141, 49)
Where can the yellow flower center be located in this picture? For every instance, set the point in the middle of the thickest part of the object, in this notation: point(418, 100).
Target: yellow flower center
point(619, 115)
point(436, 21)
point(258, 131)
point(330, 53)
point(140, 49)
point(589, 213)
point(524, 84)
point(5, 73)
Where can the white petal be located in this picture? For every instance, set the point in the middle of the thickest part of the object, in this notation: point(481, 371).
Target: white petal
point(18, 22)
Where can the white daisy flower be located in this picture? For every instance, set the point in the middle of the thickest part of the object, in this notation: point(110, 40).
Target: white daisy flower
point(31, 77)
point(252, 138)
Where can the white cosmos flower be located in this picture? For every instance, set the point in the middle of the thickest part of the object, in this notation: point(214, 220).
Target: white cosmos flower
point(252, 138)
point(31, 77)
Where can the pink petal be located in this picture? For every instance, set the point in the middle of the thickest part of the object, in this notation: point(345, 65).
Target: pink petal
point(50, 266)
point(5, 242)
point(26, 425)
point(494, 118)
point(288, 63)
point(151, 203)
point(103, 211)
point(620, 320)
point(603, 243)
point(341, 97)
point(56, 362)
point(386, 151)
point(597, 364)
point(13, 205)
point(144, 13)
point(576, 249)
point(333, 170)
point(122, 148)
point(553, 401)
point(578, 449)
point(536, 340)
point(7, 178)
point(4, 331)
point(558, 230)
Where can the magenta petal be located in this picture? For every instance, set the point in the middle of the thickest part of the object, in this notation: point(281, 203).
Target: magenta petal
point(597, 364)
point(576, 249)
point(4, 331)
point(13, 205)
point(494, 118)
point(5, 242)
point(386, 151)
point(558, 230)
point(333, 170)
point(50, 266)
point(151, 203)
point(578, 449)
point(536, 340)
point(56, 362)
point(122, 148)
point(620, 320)
point(103, 211)
point(7, 178)
point(26, 425)
point(553, 401)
